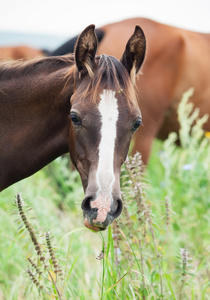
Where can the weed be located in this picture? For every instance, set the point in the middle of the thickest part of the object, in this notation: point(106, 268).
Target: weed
point(166, 208)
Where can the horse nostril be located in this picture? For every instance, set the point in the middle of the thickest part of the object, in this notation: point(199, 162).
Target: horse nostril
point(101, 216)
point(86, 203)
point(118, 210)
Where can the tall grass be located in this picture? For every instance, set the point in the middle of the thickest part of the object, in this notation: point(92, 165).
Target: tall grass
point(157, 249)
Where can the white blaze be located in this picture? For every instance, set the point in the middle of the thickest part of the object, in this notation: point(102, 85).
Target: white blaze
point(108, 109)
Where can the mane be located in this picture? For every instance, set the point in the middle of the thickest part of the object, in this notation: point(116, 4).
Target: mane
point(16, 69)
point(109, 73)
point(112, 75)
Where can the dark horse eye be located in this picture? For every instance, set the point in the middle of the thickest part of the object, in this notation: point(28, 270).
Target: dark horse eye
point(136, 124)
point(75, 119)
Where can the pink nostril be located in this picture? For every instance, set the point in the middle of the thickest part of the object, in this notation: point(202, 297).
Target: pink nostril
point(86, 206)
point(99, 213)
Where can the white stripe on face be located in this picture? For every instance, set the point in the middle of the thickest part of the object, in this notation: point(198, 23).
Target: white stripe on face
point(108, 108)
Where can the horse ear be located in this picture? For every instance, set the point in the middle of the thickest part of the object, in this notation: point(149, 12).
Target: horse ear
point(85, 50)
point(134, 54)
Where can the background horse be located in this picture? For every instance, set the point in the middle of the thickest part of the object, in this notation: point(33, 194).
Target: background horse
point(19, 52)
point(88, 107)
point(176, 60)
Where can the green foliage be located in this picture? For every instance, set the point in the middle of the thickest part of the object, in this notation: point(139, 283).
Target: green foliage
point(157, 249)
point(68, 185)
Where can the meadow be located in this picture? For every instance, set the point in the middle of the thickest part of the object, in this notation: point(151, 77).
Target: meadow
point(159, 248)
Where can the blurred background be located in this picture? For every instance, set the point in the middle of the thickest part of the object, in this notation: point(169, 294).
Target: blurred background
point(47, 24)
point(165, 232)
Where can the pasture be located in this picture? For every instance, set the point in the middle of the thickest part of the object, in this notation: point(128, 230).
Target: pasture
point(157, 249)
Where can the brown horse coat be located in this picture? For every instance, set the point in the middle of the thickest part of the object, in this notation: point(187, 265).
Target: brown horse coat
point(19, 52)
point(82, 103)
point(176, 60)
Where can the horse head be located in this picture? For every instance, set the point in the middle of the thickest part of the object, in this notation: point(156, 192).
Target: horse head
point(104, 115)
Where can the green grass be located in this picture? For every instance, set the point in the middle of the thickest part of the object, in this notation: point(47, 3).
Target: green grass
point(157, 249)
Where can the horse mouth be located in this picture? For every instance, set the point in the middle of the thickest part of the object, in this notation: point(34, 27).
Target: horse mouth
point(93, 227)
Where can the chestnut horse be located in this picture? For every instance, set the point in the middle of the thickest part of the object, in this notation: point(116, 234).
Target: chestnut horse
point(176, 60)
point(19, 52)
point(54, 105)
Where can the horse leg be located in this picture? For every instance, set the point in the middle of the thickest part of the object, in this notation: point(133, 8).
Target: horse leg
point(144, 137)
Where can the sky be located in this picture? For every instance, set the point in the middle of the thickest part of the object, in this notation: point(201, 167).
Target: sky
point(66, 18)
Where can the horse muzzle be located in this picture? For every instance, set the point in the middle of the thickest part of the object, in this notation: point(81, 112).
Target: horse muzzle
point(100, 211)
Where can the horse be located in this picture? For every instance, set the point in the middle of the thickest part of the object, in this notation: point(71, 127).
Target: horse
point(20, 52)
point(176, 60)
point(81, 103)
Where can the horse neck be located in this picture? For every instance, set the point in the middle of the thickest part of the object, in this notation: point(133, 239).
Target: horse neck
point(34, 124)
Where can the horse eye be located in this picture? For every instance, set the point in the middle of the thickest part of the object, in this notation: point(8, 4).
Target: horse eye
point(75, 119)
point(136, 124)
